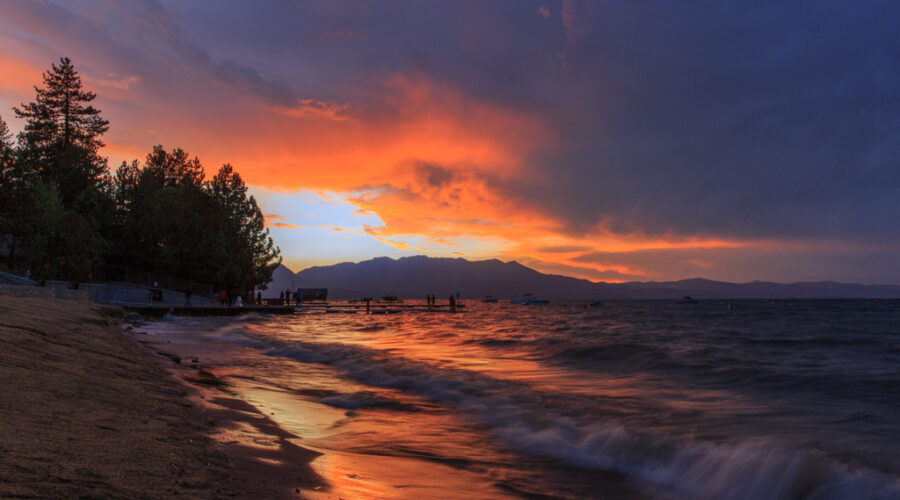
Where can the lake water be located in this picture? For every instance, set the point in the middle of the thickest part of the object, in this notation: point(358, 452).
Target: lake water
point(632, 399)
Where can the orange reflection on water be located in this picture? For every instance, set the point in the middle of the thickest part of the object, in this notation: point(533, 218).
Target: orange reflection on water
point(370, 476)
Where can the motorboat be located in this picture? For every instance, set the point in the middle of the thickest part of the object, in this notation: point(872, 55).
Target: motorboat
point(687, 299)
point(528, 299)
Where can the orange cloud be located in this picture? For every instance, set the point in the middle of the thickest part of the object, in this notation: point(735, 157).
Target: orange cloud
point(278, 221)
point(314, 109)
point(117, 82)
point(374, 232)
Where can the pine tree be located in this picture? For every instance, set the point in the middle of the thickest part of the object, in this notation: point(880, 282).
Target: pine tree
point(58, 158)
point(5, 136)
point(248, 250)
point(61, 140)
point(61, 115)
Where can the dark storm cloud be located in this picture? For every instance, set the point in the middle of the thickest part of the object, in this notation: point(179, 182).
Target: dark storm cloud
point(738, 121)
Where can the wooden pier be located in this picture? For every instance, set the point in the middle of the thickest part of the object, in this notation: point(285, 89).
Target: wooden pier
point(376, 308)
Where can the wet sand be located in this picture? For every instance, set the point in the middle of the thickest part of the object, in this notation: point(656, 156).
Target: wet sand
point(89, 409)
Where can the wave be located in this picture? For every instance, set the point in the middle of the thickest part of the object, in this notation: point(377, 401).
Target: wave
point(744, 470)
point(814, 341)
point(527, 421)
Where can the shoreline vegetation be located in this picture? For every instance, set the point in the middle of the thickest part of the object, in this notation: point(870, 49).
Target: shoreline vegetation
point(64, 215)
point(90, 409)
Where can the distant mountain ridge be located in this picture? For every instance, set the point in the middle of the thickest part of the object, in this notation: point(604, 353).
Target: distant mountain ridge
point(415, 277)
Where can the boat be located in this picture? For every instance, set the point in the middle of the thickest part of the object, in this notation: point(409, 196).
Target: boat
point(528, 299)
point(596, 303)
point(490, 299)
point(687, 299)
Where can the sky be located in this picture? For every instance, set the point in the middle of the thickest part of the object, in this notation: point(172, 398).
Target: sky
point(610, 140)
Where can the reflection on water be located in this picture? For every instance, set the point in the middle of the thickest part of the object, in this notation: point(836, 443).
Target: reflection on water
point(784, 399)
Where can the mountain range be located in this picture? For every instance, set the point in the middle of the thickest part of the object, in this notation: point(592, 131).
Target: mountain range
point(415, 277)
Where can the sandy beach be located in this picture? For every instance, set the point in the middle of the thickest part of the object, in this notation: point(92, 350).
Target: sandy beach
point(90, 410)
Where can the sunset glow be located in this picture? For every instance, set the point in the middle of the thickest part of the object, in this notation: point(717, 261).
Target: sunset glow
point(521, 139)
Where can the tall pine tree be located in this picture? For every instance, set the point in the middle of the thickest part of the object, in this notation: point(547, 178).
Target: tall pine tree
point(61, 140)
point(250, 254)
point(59, 159)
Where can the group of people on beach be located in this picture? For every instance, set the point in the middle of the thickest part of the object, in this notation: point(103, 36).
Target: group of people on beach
point(225, 299)
point(286, 297)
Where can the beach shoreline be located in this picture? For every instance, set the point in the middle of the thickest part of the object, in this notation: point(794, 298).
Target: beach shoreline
point(91, 409)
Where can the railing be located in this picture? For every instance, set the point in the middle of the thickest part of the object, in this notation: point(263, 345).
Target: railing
point(123, 274)
point(133, 297)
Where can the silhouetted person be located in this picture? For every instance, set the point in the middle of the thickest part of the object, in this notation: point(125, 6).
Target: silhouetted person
point(282, 297)
point(452, 303)
point(259, 298)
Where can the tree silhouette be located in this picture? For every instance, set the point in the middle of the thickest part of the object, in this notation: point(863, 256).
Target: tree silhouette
point(6, 142)
point(61, 138)
point(61, 115)
point(250, 252)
